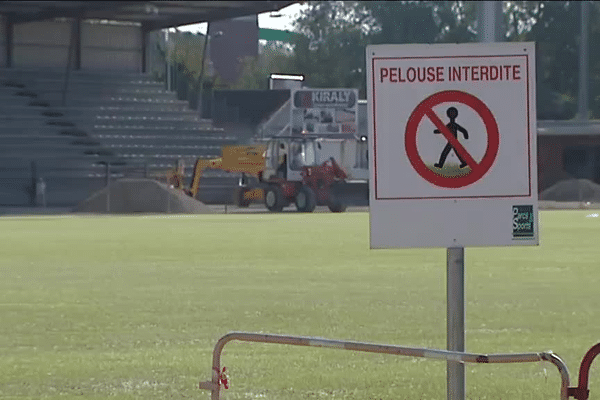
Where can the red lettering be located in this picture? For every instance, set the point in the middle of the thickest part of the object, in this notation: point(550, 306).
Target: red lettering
point(506, 71)
point(516, 72)
point(493, 72)
point(383, 73)
point(419, 77)
point(400, 75)
point(466, 71)
point(394, 75)
point(408, 74)
point(484, 72)
point(439, 74)
point(431, 74)
point(475, 73)
point(455, 74)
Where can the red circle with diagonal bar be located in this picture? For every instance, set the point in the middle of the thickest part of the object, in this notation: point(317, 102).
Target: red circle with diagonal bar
point(425, 108)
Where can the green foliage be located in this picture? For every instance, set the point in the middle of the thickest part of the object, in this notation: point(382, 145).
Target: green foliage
point(557, 33)
point(187, 49)
point(332, 51)
point(274, 57)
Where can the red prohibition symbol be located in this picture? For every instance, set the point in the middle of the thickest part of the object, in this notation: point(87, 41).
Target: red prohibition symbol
point(425, 109)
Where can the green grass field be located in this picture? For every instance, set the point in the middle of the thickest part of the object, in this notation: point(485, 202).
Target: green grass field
point(131, 307)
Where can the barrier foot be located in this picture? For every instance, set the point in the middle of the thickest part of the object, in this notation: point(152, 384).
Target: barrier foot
point(208, 386)
point(582, 392)
point(578, 393)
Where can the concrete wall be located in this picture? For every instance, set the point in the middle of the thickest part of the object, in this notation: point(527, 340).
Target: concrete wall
point(104, 47)
point(41, 44)
point(554, 154)
point(111, 47)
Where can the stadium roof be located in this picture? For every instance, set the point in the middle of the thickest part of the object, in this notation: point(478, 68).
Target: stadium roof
point(152, 15)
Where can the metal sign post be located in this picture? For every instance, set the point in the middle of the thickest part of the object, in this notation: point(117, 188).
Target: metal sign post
point(455, 320)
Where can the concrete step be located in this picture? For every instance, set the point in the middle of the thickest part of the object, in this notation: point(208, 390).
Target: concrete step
point(74, 75)
point(102, 94)
point(19, 109)
point(82, 127)
point(34, 147)
point(54, 71)
point(161, 148)
point(129, 104)
point(146, 119)
point(119, 112)
point(22, 111)
point(38, 128)
point(162, 140)
point(38, 152)
point(17, 92)
point(167, 157)
point(6, 100)
point(122, 123)
point(116, 107)
point(118, 101)
point(98, 89)
point(153, 130)
point(167, 139)
point(37, 140)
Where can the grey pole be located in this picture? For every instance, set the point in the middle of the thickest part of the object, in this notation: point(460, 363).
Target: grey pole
point(168, 57)
point(108, 187)
point(455, 320)
point(583, 100)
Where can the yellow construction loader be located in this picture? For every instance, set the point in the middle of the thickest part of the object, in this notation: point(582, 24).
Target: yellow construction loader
point(286, 170)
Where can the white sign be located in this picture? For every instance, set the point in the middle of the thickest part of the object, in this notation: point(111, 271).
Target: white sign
point(325, 112)
point(453, 147)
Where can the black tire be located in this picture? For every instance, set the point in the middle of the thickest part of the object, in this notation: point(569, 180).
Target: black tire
point(274, 199)
point(306, 200)
point(239, 199)
point(335, 204)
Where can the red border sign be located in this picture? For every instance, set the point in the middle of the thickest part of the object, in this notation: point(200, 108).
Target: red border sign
point(425, 108)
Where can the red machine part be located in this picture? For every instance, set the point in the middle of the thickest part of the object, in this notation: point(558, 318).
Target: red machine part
point(582, 392)
point(321, 177)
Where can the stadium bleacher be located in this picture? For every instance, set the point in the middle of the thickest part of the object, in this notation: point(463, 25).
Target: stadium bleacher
point(65, 128)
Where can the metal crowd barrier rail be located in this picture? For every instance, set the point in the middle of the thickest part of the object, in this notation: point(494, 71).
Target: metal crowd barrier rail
point(219, 377)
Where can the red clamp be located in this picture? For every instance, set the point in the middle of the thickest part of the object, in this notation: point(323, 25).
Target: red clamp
point(223, 380)
point(582, 392)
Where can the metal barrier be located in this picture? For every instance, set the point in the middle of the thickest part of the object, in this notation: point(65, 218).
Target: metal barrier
point(582, 392)
point(219, 377)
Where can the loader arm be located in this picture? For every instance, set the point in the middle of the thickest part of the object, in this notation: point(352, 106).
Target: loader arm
point(199, 167)
point(248, 159)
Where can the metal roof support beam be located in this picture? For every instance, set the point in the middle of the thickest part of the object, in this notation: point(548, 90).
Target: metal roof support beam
point(217, 15)
point(144, 50)
point(583, 95)
point(8, 34)
point(70, 12)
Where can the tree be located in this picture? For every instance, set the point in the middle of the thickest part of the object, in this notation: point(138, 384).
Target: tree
point(332, 51)
point(400, 22)
point(555, 28)
point(274, 57)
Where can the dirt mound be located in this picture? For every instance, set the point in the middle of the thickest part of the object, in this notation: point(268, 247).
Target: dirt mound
point(581, 190)
point(127, 196)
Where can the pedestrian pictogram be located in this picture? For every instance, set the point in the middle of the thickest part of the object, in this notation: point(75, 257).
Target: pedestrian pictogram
point(476, 170)
point(452, 113)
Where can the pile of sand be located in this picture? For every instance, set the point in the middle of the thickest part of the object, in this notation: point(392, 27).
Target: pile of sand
point(141, 196)
point(572, 190)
